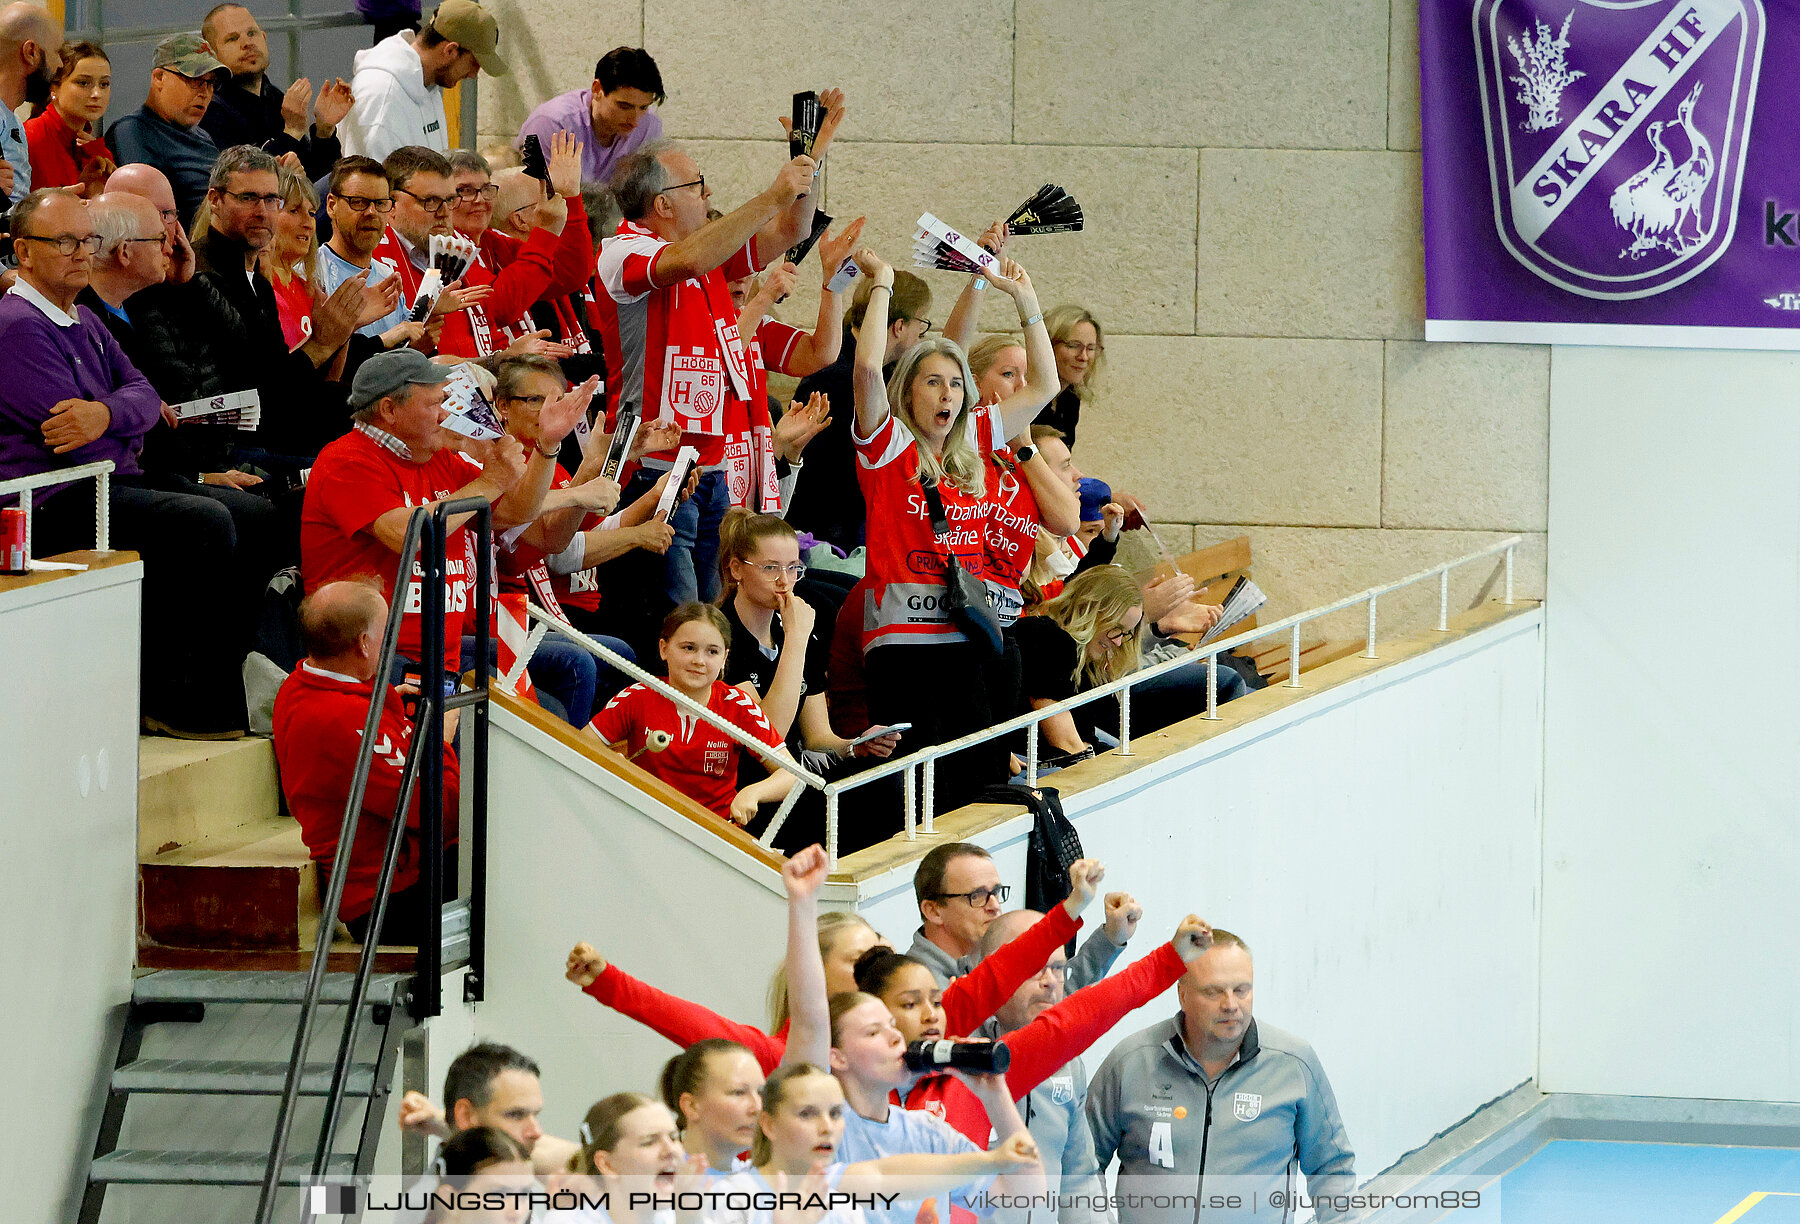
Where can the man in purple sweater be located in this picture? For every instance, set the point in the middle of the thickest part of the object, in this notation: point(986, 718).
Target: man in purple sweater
point(611, 117)
point(70, 397)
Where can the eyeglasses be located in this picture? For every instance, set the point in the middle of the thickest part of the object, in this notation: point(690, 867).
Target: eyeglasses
point(358, 204)
point(168, 215)
point(159, 240)
point(699, 182)
point(796, 571)
point(254, 199)
point(429, 204)
point(927, 323)
point(1081, 350)
point(68, 244)
point(981, 896)
point(471, 193)
point(1117, 638)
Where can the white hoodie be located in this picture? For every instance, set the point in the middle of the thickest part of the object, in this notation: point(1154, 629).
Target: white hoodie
point(394, 106)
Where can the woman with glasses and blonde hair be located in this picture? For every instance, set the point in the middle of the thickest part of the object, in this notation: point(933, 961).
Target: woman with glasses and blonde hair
point(1080, 346)
point(922, 437)
point(1085, 637)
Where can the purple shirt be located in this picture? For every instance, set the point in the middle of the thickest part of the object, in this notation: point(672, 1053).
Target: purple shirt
point(570, 113)
point(46, 363)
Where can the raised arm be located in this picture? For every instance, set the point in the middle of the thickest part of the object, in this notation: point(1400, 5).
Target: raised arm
point(680, 1020)
point(965, 316)
point(1094, 960)
point(809, 1027)
point(716, 242)
point(915, 1172)
point(818, 350)
point(1020, 409)
point(871, 344)
point(1059, 506)
point(795, 220)
point(1084, 1017)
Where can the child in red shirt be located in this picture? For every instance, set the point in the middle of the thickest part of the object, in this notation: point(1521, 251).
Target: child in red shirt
point(696, 758)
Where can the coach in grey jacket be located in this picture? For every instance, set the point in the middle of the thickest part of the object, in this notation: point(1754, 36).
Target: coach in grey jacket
point(1210, 1104)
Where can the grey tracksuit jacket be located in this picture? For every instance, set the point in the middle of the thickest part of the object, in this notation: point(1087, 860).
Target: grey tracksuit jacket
point(1054, 1111)
point(1268, 1117)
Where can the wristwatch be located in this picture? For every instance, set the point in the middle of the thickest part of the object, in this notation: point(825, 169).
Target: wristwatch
point(1024, 454)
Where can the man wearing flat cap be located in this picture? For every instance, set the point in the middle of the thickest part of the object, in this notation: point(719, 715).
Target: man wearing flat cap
point(165, 132)
point(365, 486)
point(400, 81)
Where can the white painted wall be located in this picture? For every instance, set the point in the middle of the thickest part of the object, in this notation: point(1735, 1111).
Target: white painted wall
point(573, 856)
point(1672, 757)
point(68, 866)
point(1378, 847)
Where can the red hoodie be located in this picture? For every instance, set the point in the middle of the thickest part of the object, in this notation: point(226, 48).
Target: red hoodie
point(968, 1001)
point(319, 718)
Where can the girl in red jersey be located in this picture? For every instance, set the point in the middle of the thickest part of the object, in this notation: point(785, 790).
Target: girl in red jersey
point(924, 428)
point(697, 758)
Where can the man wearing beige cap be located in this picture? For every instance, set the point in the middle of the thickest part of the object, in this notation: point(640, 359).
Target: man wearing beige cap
point(165, 132)
point(400, 81)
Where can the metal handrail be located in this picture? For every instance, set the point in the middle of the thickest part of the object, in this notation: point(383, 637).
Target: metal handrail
point(426, 525)
point(924, 760)
point(101, 471)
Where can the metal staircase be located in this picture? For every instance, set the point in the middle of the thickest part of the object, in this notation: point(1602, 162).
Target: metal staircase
point(378, 1010)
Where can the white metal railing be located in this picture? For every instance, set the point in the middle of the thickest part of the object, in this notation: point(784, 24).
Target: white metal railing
point(102, 474)
point(919, 769)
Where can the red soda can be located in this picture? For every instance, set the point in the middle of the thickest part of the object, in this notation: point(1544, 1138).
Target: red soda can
point(12, 541)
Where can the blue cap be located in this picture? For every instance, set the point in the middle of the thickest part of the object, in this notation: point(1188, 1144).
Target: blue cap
point(1094, 494)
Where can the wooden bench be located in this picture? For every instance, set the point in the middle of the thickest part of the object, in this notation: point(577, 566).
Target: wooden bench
point(1218, 568)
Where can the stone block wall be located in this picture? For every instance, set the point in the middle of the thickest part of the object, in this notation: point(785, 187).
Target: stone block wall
point(1250, 175)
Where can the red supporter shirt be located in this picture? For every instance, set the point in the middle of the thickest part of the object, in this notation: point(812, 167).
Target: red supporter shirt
point(57, 152)
point(319, 718)
point(673, 352)
point(355, 481)
point(905, 598)
point(501, 317)
point(968, 1001)
point(522, 566)
point(1010, 535)
point(750, 474)
point(702, 763)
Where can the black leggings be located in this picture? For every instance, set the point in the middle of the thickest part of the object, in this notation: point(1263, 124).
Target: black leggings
point(946, 690)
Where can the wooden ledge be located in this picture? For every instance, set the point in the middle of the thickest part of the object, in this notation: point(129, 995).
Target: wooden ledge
point(966, 822)
point(93, 561)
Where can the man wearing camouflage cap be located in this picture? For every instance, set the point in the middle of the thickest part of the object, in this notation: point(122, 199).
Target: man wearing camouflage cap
point(166, 131)
point(400, 81)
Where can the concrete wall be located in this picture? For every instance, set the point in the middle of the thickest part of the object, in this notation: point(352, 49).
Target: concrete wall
point(1415, 978)
point(68, 867)
point(1669, 852)
point(1250, 174)
point(1413, 975)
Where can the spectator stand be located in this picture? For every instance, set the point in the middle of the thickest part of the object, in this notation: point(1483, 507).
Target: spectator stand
point(378, 1009)
point(917, 770)
point(310, 38)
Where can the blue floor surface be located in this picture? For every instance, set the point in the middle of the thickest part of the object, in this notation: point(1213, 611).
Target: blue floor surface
point(1582, 1182)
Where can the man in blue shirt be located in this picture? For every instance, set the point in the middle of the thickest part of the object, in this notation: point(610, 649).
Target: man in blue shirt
point(29, 58)
point(165, 132)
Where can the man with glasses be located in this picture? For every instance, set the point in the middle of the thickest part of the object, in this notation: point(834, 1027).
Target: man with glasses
point(165, 132)
point(358, 202)
point(301, 410)
point(149, 183)
point(670, 331)
point(71, 397)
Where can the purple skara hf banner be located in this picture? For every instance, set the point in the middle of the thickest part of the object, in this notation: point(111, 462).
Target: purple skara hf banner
point(1612, 172)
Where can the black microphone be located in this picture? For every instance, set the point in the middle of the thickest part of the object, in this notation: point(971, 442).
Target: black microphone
point(979, 1056)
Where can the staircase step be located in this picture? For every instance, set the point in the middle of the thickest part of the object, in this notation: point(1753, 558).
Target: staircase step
point(189, 789)
point(144, 1166)
point(224, 986)
point(226, 1077)
point(251, 887)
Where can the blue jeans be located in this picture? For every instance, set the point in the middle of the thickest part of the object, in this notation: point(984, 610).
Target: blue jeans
point(690, 569)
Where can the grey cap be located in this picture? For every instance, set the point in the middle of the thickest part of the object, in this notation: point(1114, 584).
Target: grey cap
point(387, 373)
point(189, 54)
